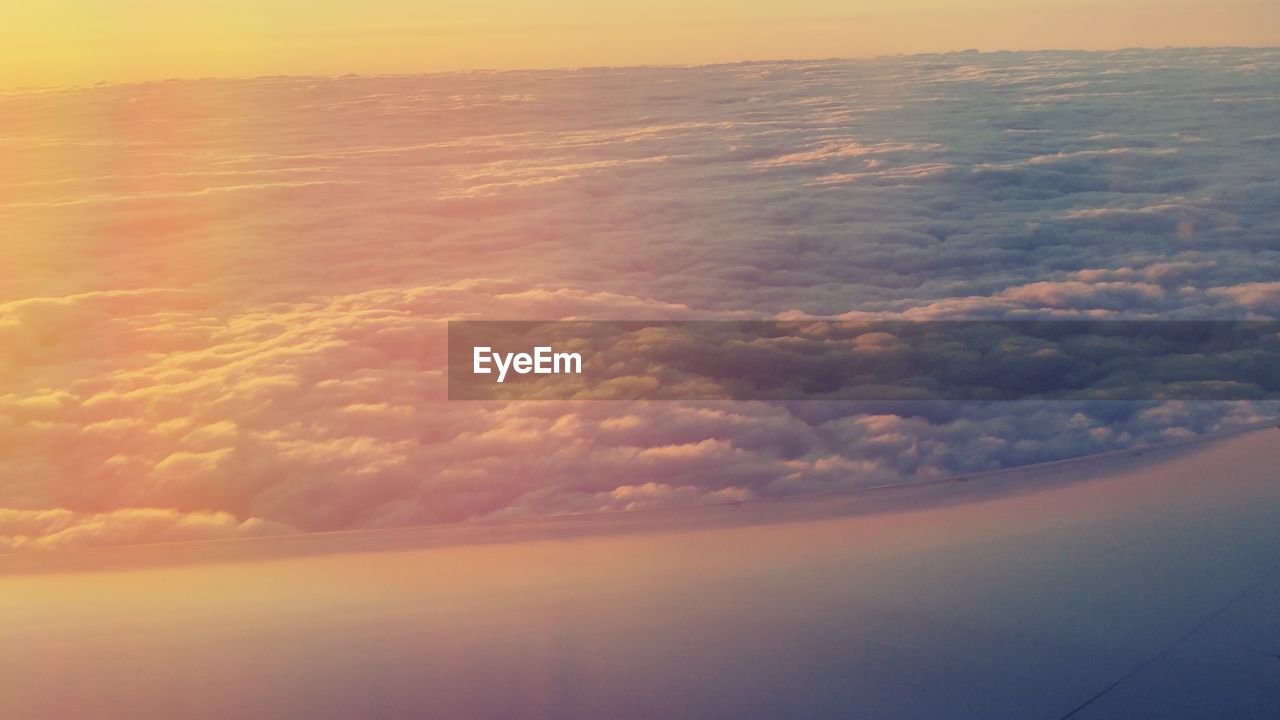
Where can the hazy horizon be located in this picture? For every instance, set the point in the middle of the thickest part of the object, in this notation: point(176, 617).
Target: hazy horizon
point(78, 42)
point(479, 70)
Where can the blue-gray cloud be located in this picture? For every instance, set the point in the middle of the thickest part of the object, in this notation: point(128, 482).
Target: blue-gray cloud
point(225, 299)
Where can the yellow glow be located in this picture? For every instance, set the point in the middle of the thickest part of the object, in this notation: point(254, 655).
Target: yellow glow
point(84, 41)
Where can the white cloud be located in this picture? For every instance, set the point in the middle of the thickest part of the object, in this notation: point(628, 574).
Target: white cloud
point(233, 322)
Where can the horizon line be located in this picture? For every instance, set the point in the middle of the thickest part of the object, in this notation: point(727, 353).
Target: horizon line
point(17, 89)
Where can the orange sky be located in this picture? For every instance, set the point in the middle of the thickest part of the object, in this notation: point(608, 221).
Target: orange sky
point(64, 42)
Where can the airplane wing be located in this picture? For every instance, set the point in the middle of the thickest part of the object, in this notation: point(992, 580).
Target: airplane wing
point(1133, 585)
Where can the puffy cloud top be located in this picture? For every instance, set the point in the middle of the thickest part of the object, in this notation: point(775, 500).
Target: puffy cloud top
point(222, 302)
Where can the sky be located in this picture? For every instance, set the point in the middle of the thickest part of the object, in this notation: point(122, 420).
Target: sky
point(74, 42)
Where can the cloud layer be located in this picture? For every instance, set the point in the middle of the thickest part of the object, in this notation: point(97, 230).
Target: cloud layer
point(222, 302)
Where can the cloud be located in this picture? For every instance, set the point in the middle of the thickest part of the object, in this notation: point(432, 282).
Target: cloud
point(224, 314)
point(59, 528)
point(1260, 297)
